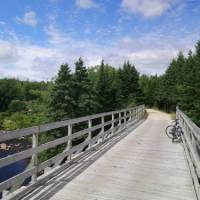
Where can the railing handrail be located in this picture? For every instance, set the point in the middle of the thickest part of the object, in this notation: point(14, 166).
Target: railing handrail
point(191, 124)
point(191, 144)
point(117, 121)
point(9, 135)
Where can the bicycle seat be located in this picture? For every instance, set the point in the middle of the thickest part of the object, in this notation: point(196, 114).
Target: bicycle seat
point(176, 121)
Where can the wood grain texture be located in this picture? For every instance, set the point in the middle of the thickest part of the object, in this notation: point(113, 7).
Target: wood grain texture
point(9, 135)
point(145, 165)
point(191, 144)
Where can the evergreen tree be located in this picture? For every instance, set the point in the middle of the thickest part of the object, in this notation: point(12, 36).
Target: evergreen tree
point(83, 91)
point(180, 85)
point(103, 89)
point(62, 102)
point(149, 86)
point(195, 86)
point(129, 83)
point(9, 90)
point(116, 93)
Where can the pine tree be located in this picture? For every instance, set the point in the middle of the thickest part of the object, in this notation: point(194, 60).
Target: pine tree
point(195, 84)
point(62, 102)
point(83, 91)
point(103, 89)
point(149, 87)
point(129, 83)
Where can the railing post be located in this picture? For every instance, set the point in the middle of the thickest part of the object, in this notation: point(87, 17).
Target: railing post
point(143, 111)
point(102, 129)
point(112, 127)
point(192, 138)
point(124, 118)
point(69, 142)
point(90, 132)
point(139, 113)
point(136, 112)
point(34, 156)
point(130, 114)
point(119, 119)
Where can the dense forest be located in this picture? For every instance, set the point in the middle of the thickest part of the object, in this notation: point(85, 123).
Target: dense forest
point(98, 89)
point(179, 85)
point(71, 94)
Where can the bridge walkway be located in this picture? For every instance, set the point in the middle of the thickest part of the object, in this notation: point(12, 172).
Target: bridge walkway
point(143, 165)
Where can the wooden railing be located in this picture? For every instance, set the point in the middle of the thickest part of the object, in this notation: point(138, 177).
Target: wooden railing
point(191, 143)
point(90, 131)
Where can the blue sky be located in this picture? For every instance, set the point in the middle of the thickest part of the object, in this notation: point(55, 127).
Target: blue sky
point(37, 36)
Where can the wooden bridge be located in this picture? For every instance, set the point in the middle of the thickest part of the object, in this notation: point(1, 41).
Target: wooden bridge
point(122, 155)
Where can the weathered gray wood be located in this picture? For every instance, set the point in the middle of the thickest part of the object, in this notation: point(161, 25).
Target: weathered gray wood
point(125, 118)
point(8, 135)
point(28, 153)
point(18, 178)
point(83, 132)
point(119, 118)
point(90, 132)
point(69, 145)
point(192, 169)
point(144, 165)
point(102, 129)
point(113, 120)
point(16, 157)
point(55, 170)
point(150, 168)
point(34, 156)
point(191, 140)
point(76, 150)
point(21, 177)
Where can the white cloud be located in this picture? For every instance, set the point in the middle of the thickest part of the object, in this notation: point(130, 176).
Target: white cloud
point(29, 19)
point(55, 36)
point(151, 53)
point(147, 8)
point(86, 4)
point(28, 61)
point(8, 53)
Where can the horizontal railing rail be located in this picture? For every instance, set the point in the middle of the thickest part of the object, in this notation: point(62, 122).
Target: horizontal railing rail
point(96, 130)
point(191, 143)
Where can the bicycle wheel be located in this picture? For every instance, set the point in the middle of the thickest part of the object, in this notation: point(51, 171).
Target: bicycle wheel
point(179, 132)
point(170, 131)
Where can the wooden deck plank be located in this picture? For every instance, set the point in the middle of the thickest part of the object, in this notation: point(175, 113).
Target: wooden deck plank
point(144, 165)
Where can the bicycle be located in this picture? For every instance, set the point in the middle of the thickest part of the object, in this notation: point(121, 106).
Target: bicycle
point(174, 131)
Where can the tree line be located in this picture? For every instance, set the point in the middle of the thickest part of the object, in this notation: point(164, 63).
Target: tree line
point(179, 85)
point(23, 103)
point(71, 94)
point(93, 90)
point(102, 88)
